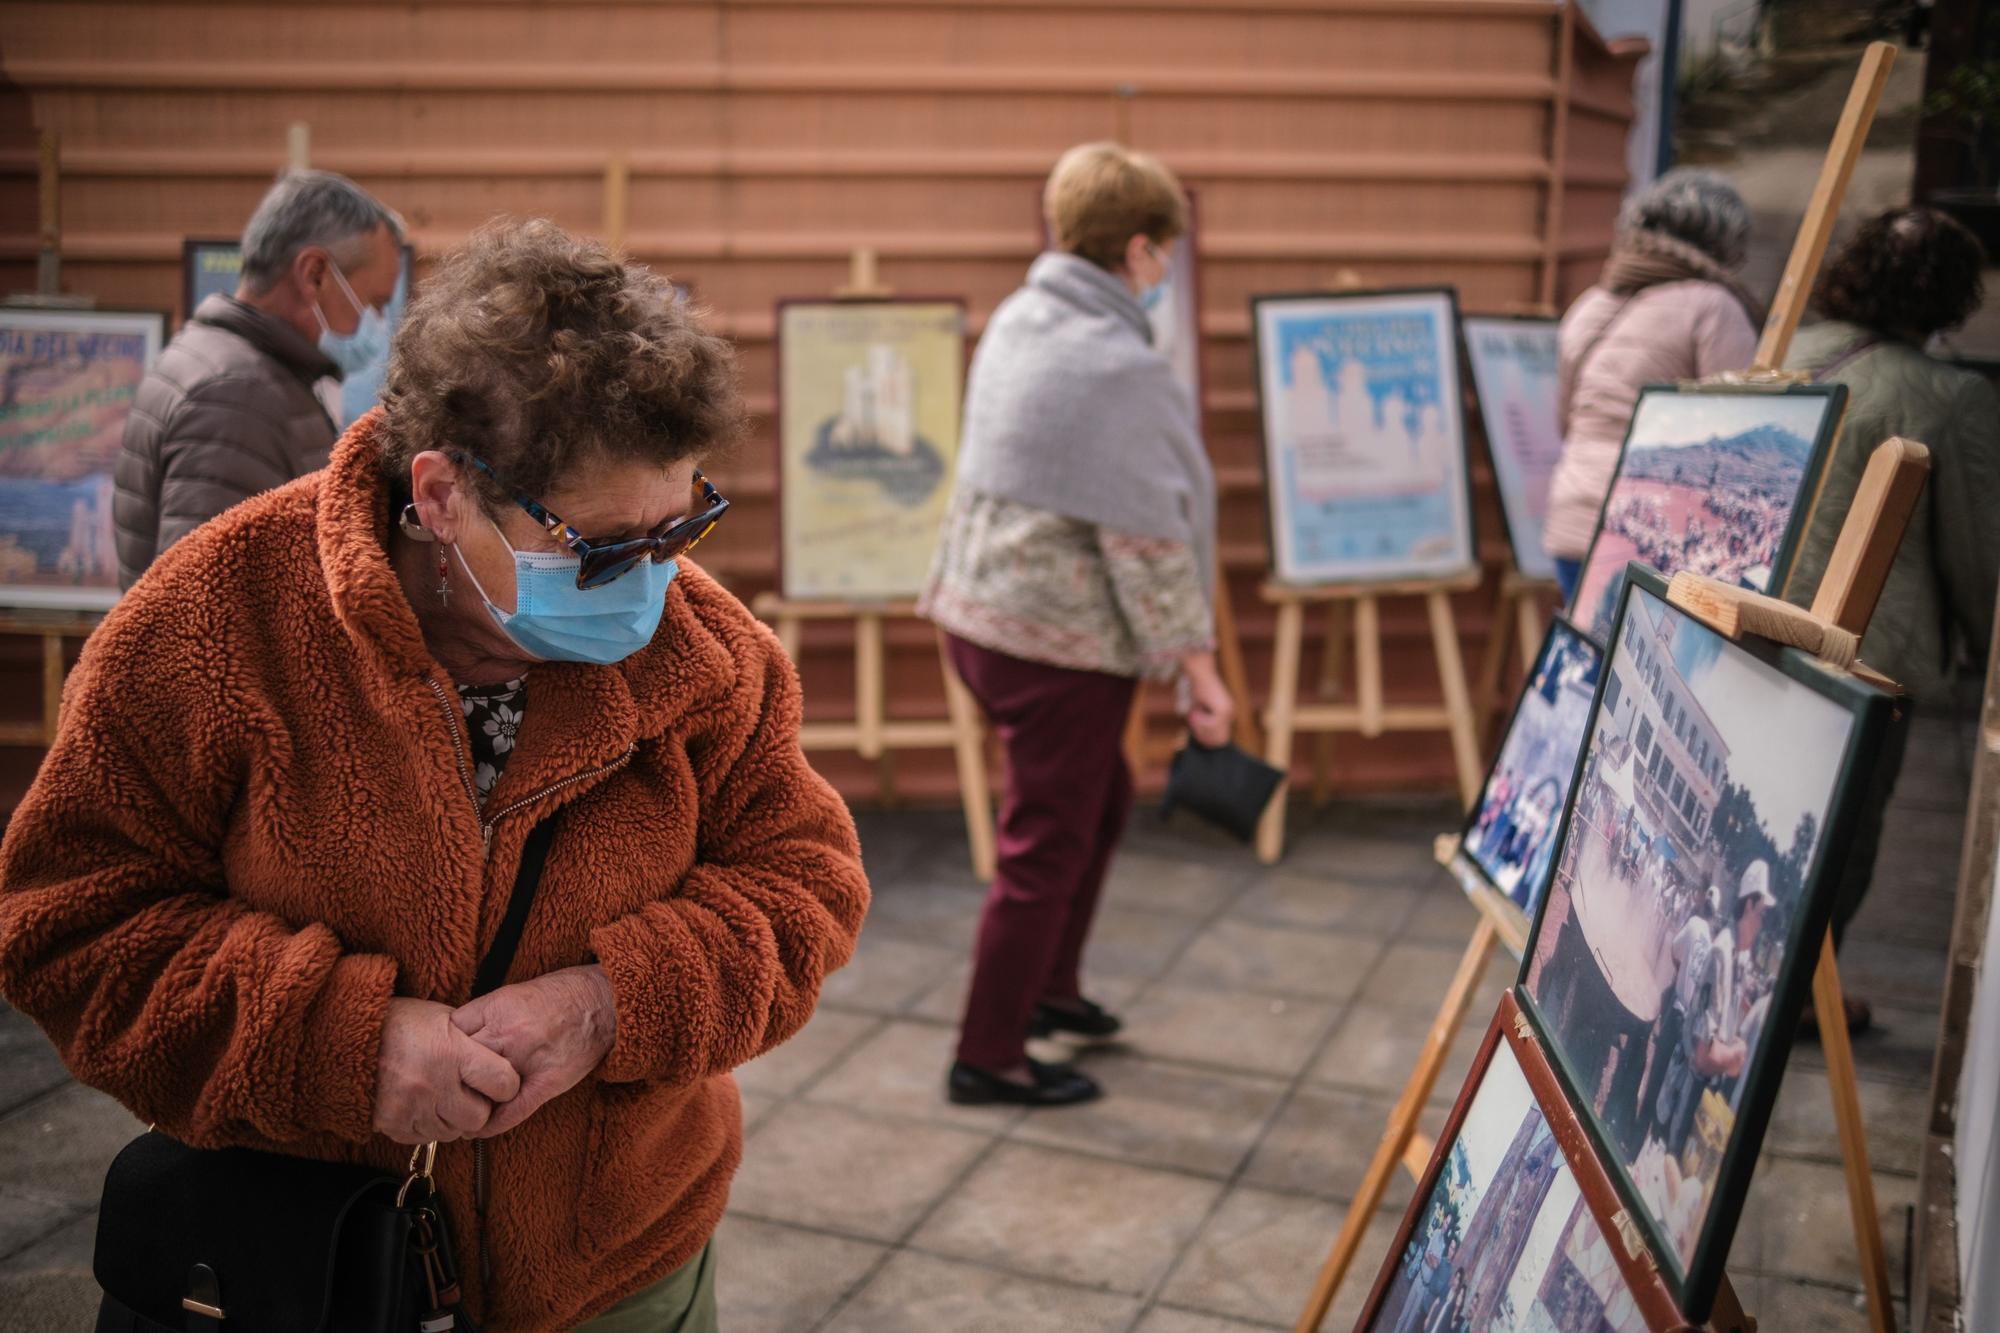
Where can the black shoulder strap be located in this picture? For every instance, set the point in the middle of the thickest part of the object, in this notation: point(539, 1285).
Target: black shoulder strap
point(534, 854)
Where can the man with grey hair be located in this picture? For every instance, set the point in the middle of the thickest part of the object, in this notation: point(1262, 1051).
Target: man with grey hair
point(229, 408)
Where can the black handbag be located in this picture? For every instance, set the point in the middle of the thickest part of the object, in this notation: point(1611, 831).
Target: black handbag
point(232, 1240)
point(1222, 784)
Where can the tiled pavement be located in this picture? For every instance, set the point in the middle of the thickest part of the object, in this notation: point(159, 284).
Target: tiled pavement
point(1272, 1018)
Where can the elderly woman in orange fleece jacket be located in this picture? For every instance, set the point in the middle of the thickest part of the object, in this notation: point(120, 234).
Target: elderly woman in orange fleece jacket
point(299, 763)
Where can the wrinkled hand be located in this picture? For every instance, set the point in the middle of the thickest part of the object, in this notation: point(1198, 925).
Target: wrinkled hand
point(553, 1030)
point(1211, 709)
point(431, 1080)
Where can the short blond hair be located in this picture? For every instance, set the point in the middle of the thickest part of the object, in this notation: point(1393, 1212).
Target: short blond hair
point(1101, 195)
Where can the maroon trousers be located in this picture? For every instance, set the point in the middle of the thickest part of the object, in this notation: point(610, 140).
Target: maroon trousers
point(1068, 796)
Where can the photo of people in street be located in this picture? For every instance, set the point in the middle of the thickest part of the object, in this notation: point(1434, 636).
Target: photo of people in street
point(1678, 896)
point(1511, 836)
point(1505, 1239)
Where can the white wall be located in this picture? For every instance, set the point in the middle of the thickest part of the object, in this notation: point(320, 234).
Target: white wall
point(1648, 19)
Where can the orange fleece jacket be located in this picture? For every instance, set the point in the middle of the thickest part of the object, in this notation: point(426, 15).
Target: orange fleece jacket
point(256, 826)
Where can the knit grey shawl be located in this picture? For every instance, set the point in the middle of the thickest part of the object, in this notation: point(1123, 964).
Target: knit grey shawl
point(1070, 409)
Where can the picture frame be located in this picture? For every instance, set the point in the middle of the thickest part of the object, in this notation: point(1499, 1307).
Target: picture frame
point(1670, 1040)
point(1568, 1256)
point(1513, 361)
point(1507, 847)
point(70, 378)
point(1367, 482)
point(866, 448)
point(210, 266)
point(1653, 511)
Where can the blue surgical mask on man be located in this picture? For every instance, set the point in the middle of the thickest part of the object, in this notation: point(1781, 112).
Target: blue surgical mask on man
point(361, 388)
point(557, 621)
point(353, 352)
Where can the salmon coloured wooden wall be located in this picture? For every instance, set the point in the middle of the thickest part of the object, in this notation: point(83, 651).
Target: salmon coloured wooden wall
point(1478, 143)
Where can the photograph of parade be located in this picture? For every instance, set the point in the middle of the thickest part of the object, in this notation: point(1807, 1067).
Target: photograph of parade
point(1707, 483)
point(1505, 1239)
point(1511, 836)
point(1680, 892)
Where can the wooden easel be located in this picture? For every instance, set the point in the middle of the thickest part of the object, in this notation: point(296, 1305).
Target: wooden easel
point(617, 191)
point(1516, 624)
point(1880, 512)
point(874, 734)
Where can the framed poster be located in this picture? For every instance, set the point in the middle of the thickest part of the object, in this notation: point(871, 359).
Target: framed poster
point(1510, 1227)
point(69, 379)
point(1364, 435)
point(1713, 480)
point(210, 267)
point(1510, 836)
point(868, 418)
point(1513, 363)
point(1676, 943)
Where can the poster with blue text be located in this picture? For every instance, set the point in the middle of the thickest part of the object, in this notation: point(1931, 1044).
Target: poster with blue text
point(1514, 369)
point(1364, 436)
point(67, 381)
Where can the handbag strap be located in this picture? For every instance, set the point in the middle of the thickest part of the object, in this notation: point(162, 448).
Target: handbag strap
point(534, 854)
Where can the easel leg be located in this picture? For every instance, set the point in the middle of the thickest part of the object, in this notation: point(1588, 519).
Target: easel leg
point(1332, 666)
point(1402, 1125)
point(1528, 630)
point(1493, 661)
point(1727, 1315)
point(968, 744)
point(52, 685)
point(1458, 708)
point(1135, 733)
point(1829, 1004)
point(1278, 728)
point(1229, 648)
point(1368, 664)
point(789, 628)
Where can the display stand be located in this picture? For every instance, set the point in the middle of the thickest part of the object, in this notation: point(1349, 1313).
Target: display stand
point(53, 628)
point(1358, 621)
point(873, 734)
point(1846, 599)
point(1517, 624)
point(617, 191)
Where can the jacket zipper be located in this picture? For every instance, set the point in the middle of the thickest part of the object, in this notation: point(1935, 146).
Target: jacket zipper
point(486, 823)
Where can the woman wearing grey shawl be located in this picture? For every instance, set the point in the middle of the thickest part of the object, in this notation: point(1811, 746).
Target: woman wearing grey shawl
point(1077, 557)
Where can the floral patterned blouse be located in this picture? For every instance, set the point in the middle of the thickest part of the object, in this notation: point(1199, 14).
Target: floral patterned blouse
point(493, 720)
point(1052, 589)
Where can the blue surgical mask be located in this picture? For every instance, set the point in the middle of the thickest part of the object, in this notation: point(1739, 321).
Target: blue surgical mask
point(557, 621)
point(353, 352)
point(362, 387)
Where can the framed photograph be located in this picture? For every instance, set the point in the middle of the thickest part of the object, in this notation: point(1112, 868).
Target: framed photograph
point(1718, 481)
point(868, 418)
point(1509, 1227)
point(1676, 942)
point(1364, 436)
point(1513, 361)
point(69, 379)
point(209, 267)
point(1509, 839)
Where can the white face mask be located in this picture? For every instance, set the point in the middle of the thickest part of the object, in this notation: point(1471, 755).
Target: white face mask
point(369, 343)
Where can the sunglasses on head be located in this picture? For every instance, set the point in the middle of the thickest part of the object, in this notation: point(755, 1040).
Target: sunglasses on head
point(604, 561)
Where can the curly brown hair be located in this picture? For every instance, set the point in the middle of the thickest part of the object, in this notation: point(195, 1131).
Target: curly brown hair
point(1909, 272)
point(542, 352)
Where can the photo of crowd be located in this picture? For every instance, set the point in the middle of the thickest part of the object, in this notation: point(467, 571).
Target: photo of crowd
point(1707, 483)
point(1512, 833)
point(1679, 894)
point(1505, 1239)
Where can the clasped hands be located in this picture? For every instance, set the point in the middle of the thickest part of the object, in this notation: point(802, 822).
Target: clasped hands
point(483, 1068)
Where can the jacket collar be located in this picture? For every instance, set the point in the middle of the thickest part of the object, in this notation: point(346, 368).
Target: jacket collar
point(580, 717)
point(1078, 282)
point(269, 335)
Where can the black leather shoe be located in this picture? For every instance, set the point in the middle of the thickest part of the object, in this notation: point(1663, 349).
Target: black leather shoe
point(1092, 1020)
point(1054, 1085)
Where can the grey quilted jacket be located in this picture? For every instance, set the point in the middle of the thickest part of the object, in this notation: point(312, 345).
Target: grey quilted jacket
point(227, 411)
point(1944, 578)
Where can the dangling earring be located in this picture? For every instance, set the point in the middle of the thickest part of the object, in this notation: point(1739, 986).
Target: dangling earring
point(413, 527)
point(444, 578)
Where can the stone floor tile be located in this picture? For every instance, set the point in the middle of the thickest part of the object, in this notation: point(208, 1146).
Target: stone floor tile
point(1895, 1115)
point(65, 1251)
point(1254, 1033)
point(26, 1216)
point(1901, 1047)
point(1153, 882)
point(1781, 1303)
point(777, 1279)
point(1904, 975)
point(1135, 942)
point(1257, 1257)
point(887, 974)
point(30, 1063)
point(1237, 955)
point(1162, 1319)
point(1156, 1114)
point(756, 1107)
point(920, 1293)
point(1077, 1219)
point(1442, 915)
point(827, 1035)
point(901, 1070)
point(1361, 859)
point(1414, 976)
point(1795, 1224)
point(925, 914)
point(858, 1174)
point(945, 1001)
point(1376, 1049)
point(1287, 898)
point(59, 1146)
point(43, 1302)
point(1321, 1142)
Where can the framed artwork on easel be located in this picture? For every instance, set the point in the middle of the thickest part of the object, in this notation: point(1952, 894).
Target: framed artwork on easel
point(1712, 805)
point(1365, 471)
point(1513, 361)
point(1512, 1225)
point(868, 419)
